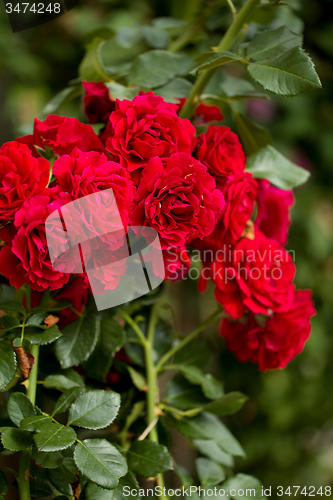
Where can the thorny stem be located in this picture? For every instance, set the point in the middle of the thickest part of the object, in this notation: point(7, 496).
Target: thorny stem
point(24, 466)
point(23, 479)
point(152, 391)
point(225, 44)
point(134, 325)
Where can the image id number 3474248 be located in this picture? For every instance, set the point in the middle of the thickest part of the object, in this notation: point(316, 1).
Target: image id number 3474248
point(309, 491)
point(35, 8)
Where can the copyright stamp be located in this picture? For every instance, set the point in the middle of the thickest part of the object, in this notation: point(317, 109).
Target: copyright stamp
point(195, 491)
point(28, 14)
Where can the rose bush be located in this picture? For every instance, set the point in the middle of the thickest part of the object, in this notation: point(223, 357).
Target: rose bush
point(158, 170)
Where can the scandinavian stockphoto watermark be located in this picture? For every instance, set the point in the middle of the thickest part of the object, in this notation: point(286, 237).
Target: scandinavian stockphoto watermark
point(230, 492)
point(188, 491)
point(88, 236)
point(28, 14)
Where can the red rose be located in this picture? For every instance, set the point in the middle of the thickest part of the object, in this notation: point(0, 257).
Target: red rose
point(179, 200)
point(220, 150)
point(62, 135)
point(82, 174)
point(279, 341)
point(204, 112)
point(21, 176)
point(147, 127)
point(207, 113)
point(240, 195)
point(77, 294)
point(255, 274)
point(274, 205)
point(98, 105)
point(25, 259)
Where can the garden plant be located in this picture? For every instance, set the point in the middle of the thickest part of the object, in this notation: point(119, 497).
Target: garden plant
point(94, 395)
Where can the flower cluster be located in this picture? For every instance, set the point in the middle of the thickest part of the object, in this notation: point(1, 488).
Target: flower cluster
point(193, 190)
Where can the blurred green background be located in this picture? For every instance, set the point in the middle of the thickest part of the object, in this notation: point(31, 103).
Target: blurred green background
point(287, 426)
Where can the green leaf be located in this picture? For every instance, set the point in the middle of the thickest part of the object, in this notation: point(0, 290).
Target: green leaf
point(154, 68)
point(92, 67)
point(252, 135)
point(54, 437)
point(127, 36)
point(33, 423)
point(7, 365)
point(36, 319)
point(7, 292)
point(26, 344)
point(183, 395)
point(49, 460)
point(8, 322)
point(215, 59)
point(59, 480)
point(172, 91)
point(64, 96)
point(271, 43)
point(63, 382)
point(196, 353)
point(209, 472)
point(136, 412)
point(78, 341)
point(238, 89)
point(187, 480)
point(19, 407)
point(212, 450)
point(94, 492)
point(269, 164)
point(155, 36)
point(208, 426)
point(130, 481)
point(94, 409)
point(228, 404)
point(12, 305)
point(100, 462)
point(210, 385)
point(70, 469)
point(39, 488)
point(243, 482)
point(4, 487)
point(148, 459)
point(109, 342)
point(15, 439)
point(64, 475)
point(42, 336)
point(66, 399)
point(290, 73)
point(138, 380)
point(168, 22)
point(121, 92)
